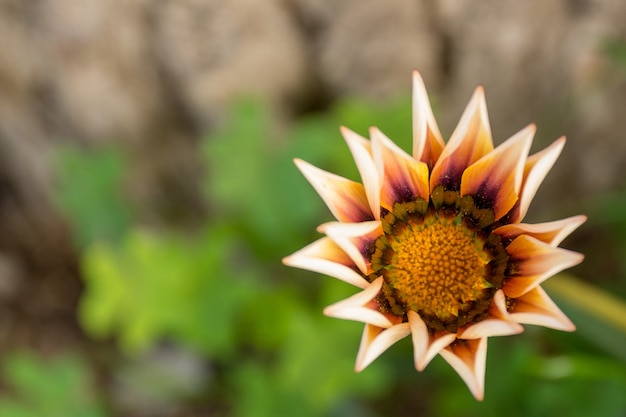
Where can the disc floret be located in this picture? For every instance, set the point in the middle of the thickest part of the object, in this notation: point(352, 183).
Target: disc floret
point(434, 263)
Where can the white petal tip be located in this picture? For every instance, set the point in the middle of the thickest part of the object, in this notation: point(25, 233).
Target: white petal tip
point(348, 133)
point(479, 92)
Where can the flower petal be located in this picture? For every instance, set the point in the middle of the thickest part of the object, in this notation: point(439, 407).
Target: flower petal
point(468, 358)
point(361, 150)
point(499, 324)
point(346, 199)
point(426, 345)
point(470, 141)
point(496, 178)
point(427, 141)
point(551, 233)
point(536, 168)
point(355, 239)
point(359, 307)
point(376, 340)
point(404, 178)
point(535, 261)
point(325, 257)
point(536, 307)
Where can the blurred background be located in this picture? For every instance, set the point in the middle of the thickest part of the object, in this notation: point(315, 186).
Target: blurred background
point(147, 196)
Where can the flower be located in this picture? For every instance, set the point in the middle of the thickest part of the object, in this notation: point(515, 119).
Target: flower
point(435, 242)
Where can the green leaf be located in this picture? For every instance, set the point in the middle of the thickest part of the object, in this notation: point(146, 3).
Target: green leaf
point(62, 387)
point(523, 381)
point(89, 192)
point(615, 49)
point(156, 287)
point(599, 316)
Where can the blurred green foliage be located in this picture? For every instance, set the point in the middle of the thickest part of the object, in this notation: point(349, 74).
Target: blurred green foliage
point(222, 293)
point(524, 381)
point(91, 193)
point(38, 388)
point(254, 185)
point(615, 49)
point(152, 287)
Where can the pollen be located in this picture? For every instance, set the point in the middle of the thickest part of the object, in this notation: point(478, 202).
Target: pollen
point(436, 267)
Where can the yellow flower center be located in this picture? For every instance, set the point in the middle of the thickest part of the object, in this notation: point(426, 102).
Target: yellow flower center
point(437, 268)
point(438, 263)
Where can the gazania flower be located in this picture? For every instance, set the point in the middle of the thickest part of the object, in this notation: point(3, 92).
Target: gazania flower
point(435, 240)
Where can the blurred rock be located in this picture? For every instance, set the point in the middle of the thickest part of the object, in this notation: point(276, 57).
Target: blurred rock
point(214, 51)
point(156, 384)
point(369, 47)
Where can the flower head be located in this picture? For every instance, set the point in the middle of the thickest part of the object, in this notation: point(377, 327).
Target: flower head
point(435, 240)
